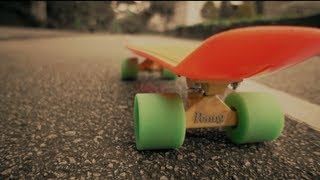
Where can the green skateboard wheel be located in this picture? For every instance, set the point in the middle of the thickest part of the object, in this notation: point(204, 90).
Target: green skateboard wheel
point(259, 117)
point(159, 121)
point(129, 69)
point(167, 74)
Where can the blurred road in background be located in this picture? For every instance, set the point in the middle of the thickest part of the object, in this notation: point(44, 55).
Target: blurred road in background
point(10, 33)
point(64, 113)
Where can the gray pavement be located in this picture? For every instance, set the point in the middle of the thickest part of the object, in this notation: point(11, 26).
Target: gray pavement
point(64, 113)
point(302, 80)
point(14, 33)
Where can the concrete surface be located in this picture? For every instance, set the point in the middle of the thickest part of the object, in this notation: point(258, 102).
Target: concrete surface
point(65, 114)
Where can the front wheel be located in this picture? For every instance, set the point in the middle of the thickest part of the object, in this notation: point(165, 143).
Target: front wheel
point(259, 117)
point(159, 121)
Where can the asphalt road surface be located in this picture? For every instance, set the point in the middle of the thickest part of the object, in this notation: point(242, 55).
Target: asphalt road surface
point(64, 113)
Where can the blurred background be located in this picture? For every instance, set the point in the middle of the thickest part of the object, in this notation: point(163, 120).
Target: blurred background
point(195, 20)
point(65, 113)
point(181, 18)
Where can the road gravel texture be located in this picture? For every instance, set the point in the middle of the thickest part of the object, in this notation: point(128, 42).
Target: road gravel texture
point(65, 114)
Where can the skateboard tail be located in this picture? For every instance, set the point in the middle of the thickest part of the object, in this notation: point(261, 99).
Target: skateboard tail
point(152, 57)
point(237, 54)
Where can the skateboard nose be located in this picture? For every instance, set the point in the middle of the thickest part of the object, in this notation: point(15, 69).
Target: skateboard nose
point(244, 52)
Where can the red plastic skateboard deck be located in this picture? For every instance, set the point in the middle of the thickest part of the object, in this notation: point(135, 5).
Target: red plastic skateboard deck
point(223, 59)
point(236, 54)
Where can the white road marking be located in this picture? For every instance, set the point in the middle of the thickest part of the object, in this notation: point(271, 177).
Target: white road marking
point(296, 108)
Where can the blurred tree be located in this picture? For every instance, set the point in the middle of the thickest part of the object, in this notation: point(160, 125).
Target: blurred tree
point(17, 13)
point(125, 2)
point(209, 11)
point(164, 8)
point(260, 7)
point(39, 11)
point(85, 15)
point(137, 22)
point(247, 9)
point(226, 10)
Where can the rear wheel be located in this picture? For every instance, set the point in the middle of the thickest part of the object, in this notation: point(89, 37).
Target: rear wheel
point(129, 69)
point(167, 74)
point(259, 117)
point(159, 121)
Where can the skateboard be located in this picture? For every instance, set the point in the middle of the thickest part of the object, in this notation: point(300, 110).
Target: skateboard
point(227, 58)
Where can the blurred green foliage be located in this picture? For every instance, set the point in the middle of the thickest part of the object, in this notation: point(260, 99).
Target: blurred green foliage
point(77, 23)
point(226, 10)
point(131, 23)
point(115, 27)
point(81, 15)
point(209, 11)
point(16, 13)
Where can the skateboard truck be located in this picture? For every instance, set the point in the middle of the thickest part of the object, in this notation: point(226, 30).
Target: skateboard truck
point(235, 85)
point(148, 65)
point(161, 120)
point(205, 108)
point(130, 68)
